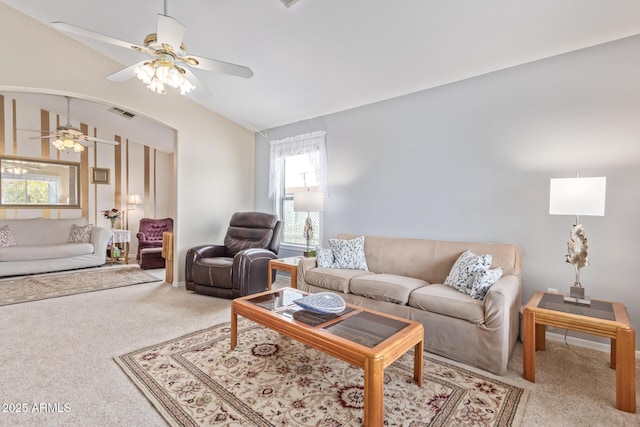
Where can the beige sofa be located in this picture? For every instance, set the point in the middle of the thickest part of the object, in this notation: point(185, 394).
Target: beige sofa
point(405, 279)
point(42, 246)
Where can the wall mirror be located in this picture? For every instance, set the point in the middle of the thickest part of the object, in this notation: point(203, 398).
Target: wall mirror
point(37, 183)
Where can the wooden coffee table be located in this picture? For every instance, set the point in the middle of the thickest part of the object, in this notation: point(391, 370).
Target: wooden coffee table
point(602, 318)
point(364, 338)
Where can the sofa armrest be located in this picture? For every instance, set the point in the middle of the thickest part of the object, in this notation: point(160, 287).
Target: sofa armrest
point(501, 300)
point(100, 240)
point(141, 237)
point(251, 270)
point(305, 264)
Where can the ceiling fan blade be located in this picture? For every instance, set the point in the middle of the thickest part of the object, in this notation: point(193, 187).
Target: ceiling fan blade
point(43, 137)
point(201, 91)
point(100, 140)
point(72, 29)
point(170, 31)
point(208, 64)
point(125, 73)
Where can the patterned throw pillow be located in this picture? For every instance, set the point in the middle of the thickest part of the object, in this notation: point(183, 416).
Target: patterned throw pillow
point(80, 233)
point(324, 258)
point(349, 254)
point(6, 237)
point(465, 269)
point(483, 281)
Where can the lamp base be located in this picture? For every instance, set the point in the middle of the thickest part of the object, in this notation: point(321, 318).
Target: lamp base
point(576, 295)
point(576, 292)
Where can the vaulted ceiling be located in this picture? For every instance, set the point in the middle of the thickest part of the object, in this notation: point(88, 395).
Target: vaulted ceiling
point(322, 56)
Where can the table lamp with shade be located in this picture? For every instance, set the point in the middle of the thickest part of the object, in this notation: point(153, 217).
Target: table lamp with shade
point(577, 196)
point(308, 201)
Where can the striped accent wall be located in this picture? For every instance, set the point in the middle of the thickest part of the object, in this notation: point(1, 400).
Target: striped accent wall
point(133, 168)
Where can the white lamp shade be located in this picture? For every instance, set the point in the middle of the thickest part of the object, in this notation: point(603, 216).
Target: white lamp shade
point(134, 199)
point(577, 196)
point(308, 201)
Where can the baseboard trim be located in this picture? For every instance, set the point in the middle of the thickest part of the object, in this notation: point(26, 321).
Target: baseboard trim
point(579, 342)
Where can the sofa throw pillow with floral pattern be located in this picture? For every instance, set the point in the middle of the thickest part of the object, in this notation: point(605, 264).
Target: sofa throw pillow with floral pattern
point(324, 258)
point(465, 269)
point(349, 254)
point(483, 281)
point(80, 233)
point(6, 237)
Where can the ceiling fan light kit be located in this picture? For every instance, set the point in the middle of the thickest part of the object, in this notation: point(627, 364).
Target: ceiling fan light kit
point(156, 74)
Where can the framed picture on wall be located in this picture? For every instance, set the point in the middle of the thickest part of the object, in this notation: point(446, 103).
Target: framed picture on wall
point(99, 176)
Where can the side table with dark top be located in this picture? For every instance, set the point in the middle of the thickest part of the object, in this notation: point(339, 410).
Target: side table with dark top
point(601, 318)
point(288, 265)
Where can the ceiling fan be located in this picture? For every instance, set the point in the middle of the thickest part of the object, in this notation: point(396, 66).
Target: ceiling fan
point(68, 137)
point(169, 63)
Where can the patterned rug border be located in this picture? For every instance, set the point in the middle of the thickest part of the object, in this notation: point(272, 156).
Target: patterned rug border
point(518, 397)
point(144, 278)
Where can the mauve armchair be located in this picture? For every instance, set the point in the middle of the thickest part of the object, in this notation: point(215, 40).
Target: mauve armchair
point(240, 266)
point(150, 233)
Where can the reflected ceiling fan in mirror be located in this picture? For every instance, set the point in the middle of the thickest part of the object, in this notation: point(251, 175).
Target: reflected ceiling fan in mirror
point(69, 138)
point(169, 64)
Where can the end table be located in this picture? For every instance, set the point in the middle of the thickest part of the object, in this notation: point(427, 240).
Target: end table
point(601, 318)
point(289, 265)
point(123, 237)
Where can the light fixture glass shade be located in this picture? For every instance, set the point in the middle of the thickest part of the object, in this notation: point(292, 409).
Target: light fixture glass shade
point(134, 199)
point(577, 196)
point(308, 201)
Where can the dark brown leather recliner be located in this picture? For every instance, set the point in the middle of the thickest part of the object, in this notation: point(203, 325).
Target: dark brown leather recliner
point(240, 266)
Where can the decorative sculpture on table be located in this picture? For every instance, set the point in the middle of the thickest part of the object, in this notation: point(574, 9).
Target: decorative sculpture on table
point(577, 247)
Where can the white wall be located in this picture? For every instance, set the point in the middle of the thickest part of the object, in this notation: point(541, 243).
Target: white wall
point(213, 156)
point(471, 161)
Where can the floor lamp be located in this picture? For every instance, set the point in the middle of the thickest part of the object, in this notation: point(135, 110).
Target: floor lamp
point(132, 200)
point(577, 196)
point(308, 201)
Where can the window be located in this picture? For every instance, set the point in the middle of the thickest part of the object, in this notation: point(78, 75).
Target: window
point(298, 176)
point(297, 164)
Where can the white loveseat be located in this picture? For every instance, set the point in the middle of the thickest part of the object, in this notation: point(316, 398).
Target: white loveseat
point(405, 278)
point(42, 246)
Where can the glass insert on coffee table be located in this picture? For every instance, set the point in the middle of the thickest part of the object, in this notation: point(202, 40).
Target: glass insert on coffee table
point(365, 338)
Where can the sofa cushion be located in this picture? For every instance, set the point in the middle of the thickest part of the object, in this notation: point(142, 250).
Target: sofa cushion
point(483, 281)
point(334, 279)
point(349, 254)
point(441, 299)
point(6, 237)
point(465, 269)
point(36, 252)
point(386, 287)
point(80, 233)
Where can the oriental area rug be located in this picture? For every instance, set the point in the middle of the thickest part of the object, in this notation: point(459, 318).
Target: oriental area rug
point(270, 380)
point(33, 288)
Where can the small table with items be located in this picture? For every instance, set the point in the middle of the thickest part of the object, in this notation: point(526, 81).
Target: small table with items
point(601, 318)
point(288, 265)
point(122, 237)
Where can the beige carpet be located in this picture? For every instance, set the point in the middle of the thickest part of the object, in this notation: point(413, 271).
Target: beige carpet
point(61, 350)
point(33, 288)
point(269, 379)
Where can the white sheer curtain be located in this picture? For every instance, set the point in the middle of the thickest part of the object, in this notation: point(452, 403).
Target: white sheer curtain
point(313, 144)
